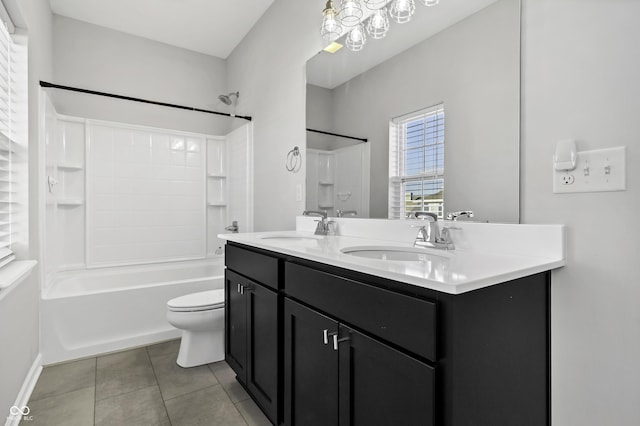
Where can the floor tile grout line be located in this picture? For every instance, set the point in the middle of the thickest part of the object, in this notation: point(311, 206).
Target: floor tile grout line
point(193, 391)
point(235, 404)
point(155, 376)
point(95, 391)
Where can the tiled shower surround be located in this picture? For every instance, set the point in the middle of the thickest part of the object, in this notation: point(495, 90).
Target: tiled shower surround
point(119, 194)
point(145, 195)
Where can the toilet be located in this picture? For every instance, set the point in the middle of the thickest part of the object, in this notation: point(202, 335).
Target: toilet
point(200, 316)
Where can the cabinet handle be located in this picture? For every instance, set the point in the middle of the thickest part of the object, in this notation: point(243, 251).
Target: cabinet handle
point(241, 289)
point(325, 336)
point(334, 337)
point(238, 288)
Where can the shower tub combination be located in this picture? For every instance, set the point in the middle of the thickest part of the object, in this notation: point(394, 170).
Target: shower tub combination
point(90, 312)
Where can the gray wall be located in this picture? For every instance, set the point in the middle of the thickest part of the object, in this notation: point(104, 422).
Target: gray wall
point(474, 68)
point(268, 68)
point(93, 57)
point(580, 72)
point(581, 68)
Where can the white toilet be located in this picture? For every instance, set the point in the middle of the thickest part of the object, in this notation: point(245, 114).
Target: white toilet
point(200, 316)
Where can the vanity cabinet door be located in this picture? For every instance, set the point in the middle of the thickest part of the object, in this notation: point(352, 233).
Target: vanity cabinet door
point(235, 325)
point(310, 367)
point(252, 339)
point(262, 348)
point(379, 385)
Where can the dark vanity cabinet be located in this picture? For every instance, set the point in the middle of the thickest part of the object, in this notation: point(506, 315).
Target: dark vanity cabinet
point(357, 349)
point(335, 375)
point(252, 332)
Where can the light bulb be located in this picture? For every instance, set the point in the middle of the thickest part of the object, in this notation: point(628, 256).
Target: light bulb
point(350, 13)
point(430, 2)
point(330, 29)
point(356, 38)
point(402, 10)
point(378, 24)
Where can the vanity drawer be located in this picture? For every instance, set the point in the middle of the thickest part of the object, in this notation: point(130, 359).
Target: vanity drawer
point(402, 320)
point(256, 266)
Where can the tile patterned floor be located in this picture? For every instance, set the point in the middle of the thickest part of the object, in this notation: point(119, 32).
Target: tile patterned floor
point(142, 387)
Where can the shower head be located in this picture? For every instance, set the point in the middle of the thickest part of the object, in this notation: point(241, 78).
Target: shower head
point(226, 99)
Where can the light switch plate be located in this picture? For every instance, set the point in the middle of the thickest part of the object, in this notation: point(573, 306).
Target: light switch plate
point(596, 171)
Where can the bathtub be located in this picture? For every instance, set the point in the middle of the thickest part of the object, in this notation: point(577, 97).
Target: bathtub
point(90, 312)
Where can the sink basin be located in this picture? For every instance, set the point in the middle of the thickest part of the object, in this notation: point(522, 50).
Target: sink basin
point(407, 254)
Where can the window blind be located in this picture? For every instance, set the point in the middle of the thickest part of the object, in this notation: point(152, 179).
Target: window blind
point(416, 163)
point(8, 145)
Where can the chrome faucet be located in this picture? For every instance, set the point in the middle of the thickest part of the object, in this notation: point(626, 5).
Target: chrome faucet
point(314, 213)
point(464, 214)
point(342, 213)
point(233, 227)
point(425, 215)
point(429, 235)
point(325, 227)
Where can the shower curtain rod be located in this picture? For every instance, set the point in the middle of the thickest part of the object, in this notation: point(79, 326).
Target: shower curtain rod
point(337, 134)
point(144, 101)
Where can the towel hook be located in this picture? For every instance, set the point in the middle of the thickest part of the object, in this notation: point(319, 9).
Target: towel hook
point(294, 160)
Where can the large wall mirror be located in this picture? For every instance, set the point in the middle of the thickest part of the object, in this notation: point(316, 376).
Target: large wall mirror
point(462, 56)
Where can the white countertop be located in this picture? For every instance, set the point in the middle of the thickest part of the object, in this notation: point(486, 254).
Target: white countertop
point(457, 271)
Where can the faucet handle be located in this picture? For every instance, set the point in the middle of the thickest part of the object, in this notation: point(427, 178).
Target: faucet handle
point(445, 235)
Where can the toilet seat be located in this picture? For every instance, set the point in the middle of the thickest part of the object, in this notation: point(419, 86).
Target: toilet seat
point(202, 301)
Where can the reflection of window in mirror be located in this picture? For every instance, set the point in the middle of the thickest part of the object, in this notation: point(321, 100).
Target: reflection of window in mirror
point(416, 163)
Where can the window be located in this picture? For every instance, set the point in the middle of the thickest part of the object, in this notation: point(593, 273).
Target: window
point(13, 144)
point(416, 163)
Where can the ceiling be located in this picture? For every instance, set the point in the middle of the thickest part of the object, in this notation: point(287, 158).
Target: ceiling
point(213, 27)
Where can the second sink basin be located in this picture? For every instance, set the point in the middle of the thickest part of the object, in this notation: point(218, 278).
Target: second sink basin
point(407, 254)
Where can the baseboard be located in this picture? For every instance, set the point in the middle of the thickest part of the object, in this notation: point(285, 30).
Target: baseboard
point(26, 390)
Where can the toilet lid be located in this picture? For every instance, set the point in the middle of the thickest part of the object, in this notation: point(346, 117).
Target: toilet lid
point(201, 301)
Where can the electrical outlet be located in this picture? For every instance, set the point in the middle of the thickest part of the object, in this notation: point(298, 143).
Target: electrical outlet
point(567, 179)
point(597, 170)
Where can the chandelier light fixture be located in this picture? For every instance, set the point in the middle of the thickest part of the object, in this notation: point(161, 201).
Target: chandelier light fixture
point(350, 13)
point(331, 28)
point(401, 11)
point(378, 24)
point(350, 18)
point(356, 38)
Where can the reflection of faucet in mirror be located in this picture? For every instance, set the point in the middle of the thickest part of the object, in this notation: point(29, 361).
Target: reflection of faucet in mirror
point(461, 215)
point(343, 213)
point(425, 215)
point(314, 213)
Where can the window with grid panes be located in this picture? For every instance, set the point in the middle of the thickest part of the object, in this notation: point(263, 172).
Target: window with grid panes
point(416, 163)
point(13, 143)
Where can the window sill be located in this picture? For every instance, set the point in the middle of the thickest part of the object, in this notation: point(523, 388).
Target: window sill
point(13, 273)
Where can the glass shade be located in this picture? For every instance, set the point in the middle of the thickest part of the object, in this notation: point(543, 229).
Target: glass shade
point(401, 11)
point(375, 4)
point(378, 24)
point(350, 13)
point(331, 28)
point(356, 38)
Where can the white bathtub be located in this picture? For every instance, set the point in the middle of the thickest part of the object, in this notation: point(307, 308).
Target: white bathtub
point(89, 312)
